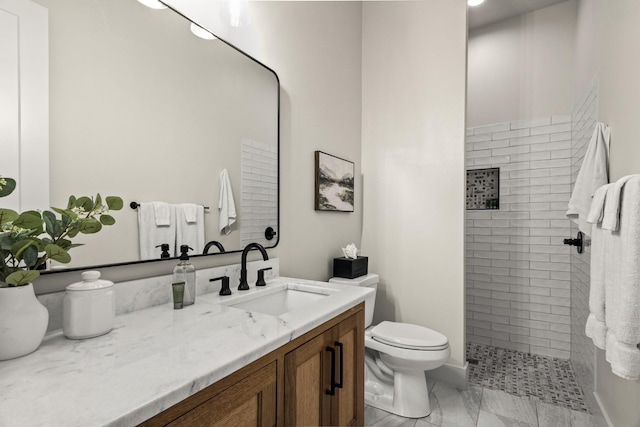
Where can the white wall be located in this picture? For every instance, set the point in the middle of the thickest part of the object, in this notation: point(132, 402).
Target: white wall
point(413, 127)
point(618, 61)
point(522, 68)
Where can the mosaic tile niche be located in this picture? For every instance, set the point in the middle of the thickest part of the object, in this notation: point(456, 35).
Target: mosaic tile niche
point(483, 189)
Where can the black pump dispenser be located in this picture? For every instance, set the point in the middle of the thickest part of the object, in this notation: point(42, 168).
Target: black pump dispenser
point(165, 250)
point(184, 252)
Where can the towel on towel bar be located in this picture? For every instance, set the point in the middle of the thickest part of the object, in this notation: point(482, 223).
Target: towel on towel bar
point(190, 233)
point(226, 204)
point(151, 235)
point(614, 262)
point(592, 175)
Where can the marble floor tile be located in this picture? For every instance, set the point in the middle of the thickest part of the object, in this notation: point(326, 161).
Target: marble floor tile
point(374, 417)
point(516, 408)
point(452, 407)
point(487, 419)
point(555, 416)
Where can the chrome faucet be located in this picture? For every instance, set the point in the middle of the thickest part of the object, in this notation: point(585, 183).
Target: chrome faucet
point(213, 243)
point(244, 286)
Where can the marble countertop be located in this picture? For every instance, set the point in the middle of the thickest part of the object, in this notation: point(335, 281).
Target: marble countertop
point(152, 359)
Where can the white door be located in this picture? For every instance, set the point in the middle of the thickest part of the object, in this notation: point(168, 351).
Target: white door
point(24, 103)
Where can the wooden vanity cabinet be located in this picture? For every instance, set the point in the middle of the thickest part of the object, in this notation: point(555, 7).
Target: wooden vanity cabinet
point(294, 385)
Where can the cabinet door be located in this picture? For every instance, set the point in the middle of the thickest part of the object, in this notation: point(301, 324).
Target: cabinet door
point(307, 379)
point(249, 402)
point(348, 403)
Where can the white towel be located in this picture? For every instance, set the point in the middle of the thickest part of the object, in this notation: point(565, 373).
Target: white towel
point(226, 205)
point(595, 327)
point(612, 209)
point(151, 235)
point(190, 212)
point(592, 175)
point(162, 213)
point(190, 233)
point(615, 280)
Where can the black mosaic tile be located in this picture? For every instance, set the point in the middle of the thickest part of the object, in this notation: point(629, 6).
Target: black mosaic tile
point(547, 379)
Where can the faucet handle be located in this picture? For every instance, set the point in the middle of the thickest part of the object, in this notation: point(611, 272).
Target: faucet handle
point(260, 281)
point(224, 290)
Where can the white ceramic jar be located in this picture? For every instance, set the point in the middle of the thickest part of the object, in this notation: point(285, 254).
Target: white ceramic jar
point(89, 307)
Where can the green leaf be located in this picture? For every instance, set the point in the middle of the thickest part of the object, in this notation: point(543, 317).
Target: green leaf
point(6, 241)
point(22, 277)
point(107, 219)
point(30, 256)
point(28, 220)
point(98, 203)
point(72, 202)
point(85, 203)
point(7, 185)
point(53, 226)
point(73, 232)
point(89, 225)
point(56, 253)
point(66, 213)
point(114, 203)
point(20, 246)
point(7, 215)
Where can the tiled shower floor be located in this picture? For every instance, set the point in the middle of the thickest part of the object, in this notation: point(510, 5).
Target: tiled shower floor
point(523, 374)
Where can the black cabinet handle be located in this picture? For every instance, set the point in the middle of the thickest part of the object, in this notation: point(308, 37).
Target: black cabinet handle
point(332, 391)
point(341, 347)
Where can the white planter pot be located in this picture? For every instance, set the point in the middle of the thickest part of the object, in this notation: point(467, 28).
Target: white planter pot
point(23, 321)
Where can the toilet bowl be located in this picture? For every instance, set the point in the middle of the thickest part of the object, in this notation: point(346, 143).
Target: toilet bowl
point(396, 358)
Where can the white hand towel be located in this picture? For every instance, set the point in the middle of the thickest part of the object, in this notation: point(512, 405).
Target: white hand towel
point(151, 235)
point(612, 208)
point(226, 204)
point(162, 213)
point(622, 288)
point(191, 234)
point(595, 327)
point(593, 174)
point(190, 212)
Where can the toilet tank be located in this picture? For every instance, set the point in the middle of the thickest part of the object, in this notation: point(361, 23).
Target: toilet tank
point(369, 281)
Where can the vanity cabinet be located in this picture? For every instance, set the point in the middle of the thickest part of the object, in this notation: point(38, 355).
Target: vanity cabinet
point(316, 379)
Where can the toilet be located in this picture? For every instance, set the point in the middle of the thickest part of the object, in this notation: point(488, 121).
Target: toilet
point(396, 356)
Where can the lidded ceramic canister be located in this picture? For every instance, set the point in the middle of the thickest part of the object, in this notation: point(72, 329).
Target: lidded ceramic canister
point(89, 307)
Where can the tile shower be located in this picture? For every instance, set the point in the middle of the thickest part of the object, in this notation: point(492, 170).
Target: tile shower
point(525, 290)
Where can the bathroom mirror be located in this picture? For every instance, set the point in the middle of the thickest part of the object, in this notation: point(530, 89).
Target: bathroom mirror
point(142, 108)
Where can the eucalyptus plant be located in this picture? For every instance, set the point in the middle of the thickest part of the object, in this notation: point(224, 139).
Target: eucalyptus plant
point(31, 238)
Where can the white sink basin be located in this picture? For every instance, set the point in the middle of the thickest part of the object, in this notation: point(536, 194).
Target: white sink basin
point(276, 302)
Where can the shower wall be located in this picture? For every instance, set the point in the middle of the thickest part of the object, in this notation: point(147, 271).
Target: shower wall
point(584, 118)
point(518, 271)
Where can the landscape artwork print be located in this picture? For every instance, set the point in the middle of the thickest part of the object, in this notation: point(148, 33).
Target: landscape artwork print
point(334, 183)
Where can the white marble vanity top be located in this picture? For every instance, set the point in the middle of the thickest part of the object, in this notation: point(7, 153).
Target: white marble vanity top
point(152, 359)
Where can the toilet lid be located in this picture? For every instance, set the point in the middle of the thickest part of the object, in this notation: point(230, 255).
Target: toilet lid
point(410, 336)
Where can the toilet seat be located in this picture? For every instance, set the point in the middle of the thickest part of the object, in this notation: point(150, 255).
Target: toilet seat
point(409, 336)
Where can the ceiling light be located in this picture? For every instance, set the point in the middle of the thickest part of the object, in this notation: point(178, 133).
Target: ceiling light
point(153, 4)
point(201, 32)
point(469, 2)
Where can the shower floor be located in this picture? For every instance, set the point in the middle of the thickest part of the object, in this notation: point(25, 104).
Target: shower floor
point(523, 374)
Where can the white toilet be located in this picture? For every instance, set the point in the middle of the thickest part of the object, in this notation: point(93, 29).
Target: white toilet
point(396, 356)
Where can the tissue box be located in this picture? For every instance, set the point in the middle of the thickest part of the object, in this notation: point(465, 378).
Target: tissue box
point(350, 268)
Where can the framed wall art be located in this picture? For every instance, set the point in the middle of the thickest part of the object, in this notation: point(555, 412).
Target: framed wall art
point(334, 183)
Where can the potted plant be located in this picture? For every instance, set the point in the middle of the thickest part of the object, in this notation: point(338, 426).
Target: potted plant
point(27, 241)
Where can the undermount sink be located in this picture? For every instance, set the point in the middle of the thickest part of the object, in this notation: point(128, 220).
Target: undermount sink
point(280, 301)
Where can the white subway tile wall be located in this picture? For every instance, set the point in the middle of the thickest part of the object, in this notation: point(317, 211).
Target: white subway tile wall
point(585, 116)
point(518, 271)
point(258, 206)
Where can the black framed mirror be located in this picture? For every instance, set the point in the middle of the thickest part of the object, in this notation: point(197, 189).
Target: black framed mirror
point(142, 108)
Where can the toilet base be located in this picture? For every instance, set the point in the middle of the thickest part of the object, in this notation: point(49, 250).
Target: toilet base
point(407, 396)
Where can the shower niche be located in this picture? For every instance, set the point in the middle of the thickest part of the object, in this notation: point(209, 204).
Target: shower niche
point(483, 189)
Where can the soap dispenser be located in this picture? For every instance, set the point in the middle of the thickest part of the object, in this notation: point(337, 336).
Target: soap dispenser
point(185, 273)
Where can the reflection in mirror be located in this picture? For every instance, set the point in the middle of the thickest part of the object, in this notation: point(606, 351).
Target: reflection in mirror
point(142, 108)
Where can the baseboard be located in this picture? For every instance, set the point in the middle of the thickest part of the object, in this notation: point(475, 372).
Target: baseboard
point(602, 410)
point(453, 375)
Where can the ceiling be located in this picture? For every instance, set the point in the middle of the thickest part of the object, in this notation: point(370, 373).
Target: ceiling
point(496, 10)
